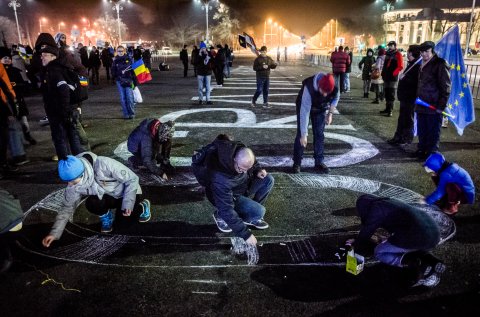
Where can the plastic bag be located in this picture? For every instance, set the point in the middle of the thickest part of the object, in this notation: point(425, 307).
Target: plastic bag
point(137, 96)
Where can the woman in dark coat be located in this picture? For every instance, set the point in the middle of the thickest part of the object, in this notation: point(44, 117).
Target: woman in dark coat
point(365, 66)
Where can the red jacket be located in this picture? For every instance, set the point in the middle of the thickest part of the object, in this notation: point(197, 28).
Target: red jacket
point(339, 60)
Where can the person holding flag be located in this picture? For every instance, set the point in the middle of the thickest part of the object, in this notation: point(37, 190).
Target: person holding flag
point(434, 88)
point(124, 76)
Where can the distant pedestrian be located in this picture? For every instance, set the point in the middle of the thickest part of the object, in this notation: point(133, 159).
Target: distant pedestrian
point(262, 65)
point(193, 59)
point(219, 62)
point(228, 61)
point(349, 69)
point(83, 54)
point(377, 81)
point(184, 59)
point(147, 58)
point(124, 77)
point(278, 54)
point(406, 94)
point(366, 66)
point(340, 60)
point(285, 53)
point(94, 63)
point(204, 73)
point(109, 187)
point(392, 67)
point(107, 59)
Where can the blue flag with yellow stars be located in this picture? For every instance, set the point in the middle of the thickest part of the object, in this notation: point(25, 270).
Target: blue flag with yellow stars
point(460, 103)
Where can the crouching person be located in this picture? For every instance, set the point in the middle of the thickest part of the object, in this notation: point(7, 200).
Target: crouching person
point(235, 184)
point(454, 184)
point(412, 233)
point(151, 143)
point(109, 185)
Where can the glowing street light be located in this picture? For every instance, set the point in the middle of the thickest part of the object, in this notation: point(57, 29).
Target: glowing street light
point(44, 20)
point(206, 6)
point(117, 7)
point(60, 25)
point(14, 4)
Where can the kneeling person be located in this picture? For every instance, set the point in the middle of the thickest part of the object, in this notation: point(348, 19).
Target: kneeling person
point(454, 184)
point(151, 143)
point(412, 233)
point(109, 186)
point(232, 175)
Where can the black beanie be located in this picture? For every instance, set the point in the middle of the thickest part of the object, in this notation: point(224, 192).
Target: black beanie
point(50, 49)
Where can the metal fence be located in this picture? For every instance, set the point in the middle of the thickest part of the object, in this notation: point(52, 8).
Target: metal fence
point(472, 70)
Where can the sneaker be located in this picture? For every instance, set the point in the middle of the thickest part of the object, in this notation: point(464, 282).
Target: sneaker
point(253, 105)
point(266, 106)
point(296, 169)
point(259, 224)
point(146, 214)
point(221, 224)
point(107, 221)
point(322, 168)
point(44, 121)
point(209, 103)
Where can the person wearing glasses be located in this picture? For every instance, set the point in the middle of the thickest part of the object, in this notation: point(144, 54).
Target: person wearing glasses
point(124, 77)
point(235, 184)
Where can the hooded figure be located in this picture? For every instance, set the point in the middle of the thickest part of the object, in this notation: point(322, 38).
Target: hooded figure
point(151, 143)
point(454, 184)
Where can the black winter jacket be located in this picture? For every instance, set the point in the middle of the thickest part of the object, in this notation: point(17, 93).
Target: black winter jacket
point(258, 66)
point(407, 86)
point(202, 68)
point(56, 92)
point(434, 85)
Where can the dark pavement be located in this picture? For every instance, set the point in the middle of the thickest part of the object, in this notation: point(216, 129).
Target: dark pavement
point(179, 264)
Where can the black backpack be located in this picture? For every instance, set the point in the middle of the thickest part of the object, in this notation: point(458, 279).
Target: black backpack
point(78, 86)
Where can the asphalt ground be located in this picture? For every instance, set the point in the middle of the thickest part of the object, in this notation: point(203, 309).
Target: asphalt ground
point(179, 264)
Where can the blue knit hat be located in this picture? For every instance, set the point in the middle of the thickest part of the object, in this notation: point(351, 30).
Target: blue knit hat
point(203, 45)
point(70, 168)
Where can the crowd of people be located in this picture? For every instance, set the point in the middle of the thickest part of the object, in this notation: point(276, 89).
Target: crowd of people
point(235, 182)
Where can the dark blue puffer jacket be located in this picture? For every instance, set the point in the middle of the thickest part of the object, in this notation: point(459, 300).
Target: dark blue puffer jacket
point(449, 173)
point(141, 143)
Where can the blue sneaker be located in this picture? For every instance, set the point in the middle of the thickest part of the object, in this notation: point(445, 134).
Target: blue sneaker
point(107, 221)
point(145, 215)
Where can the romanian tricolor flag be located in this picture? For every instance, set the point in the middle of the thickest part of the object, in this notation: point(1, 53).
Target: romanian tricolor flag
point(142, 73)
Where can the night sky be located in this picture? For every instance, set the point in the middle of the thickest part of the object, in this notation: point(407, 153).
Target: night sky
point(299, 16)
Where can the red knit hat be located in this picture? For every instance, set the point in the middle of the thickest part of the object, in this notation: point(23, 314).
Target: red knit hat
point(326, 83)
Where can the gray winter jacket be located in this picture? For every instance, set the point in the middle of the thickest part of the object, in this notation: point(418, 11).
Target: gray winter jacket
point(106, 176)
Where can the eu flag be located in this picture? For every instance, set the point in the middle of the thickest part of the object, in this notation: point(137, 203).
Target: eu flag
point(460, 103)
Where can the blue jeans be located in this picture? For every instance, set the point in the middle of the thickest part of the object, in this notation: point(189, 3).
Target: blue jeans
point(347, 82)
point(429, 127)
point(15, 138)
point(262, 88)
point(204, 81)
point(252, 209)
point(126, 99)
point(317, 118)
point(390, 254)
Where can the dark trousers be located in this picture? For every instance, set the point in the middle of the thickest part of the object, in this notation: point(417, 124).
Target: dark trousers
point(185, 69)
point(63, 131)
point(389, 97)
point(404, 132)
point(219, 74)
point(107, 70)
point(317, 118)
point(95, 75)
point(263, 84)
point(101, 206)
point(428, 129)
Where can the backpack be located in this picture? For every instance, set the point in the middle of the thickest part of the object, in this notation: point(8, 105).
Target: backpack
point(78, 86)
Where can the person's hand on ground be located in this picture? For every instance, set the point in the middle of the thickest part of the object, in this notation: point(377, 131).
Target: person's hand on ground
point(251, 240)
point(47, 241)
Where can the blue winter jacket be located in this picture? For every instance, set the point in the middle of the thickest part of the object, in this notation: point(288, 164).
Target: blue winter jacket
point(449, 173)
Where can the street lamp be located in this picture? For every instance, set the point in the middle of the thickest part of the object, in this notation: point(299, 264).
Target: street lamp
point(387, 7)
point(206, 7)
point(117, 7)
point(14, 4)
point(60, 25)
point(44, 20)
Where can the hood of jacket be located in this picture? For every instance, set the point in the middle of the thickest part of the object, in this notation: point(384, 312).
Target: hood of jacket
point(435, 161)
point(226, 151)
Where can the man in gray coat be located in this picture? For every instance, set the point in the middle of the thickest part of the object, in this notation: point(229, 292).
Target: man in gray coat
point(109, 185)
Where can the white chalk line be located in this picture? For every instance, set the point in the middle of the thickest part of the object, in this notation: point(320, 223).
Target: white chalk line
point(204, 293)
point(206, 282)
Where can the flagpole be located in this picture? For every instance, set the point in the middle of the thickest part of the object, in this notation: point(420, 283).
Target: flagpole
point(469, 32)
